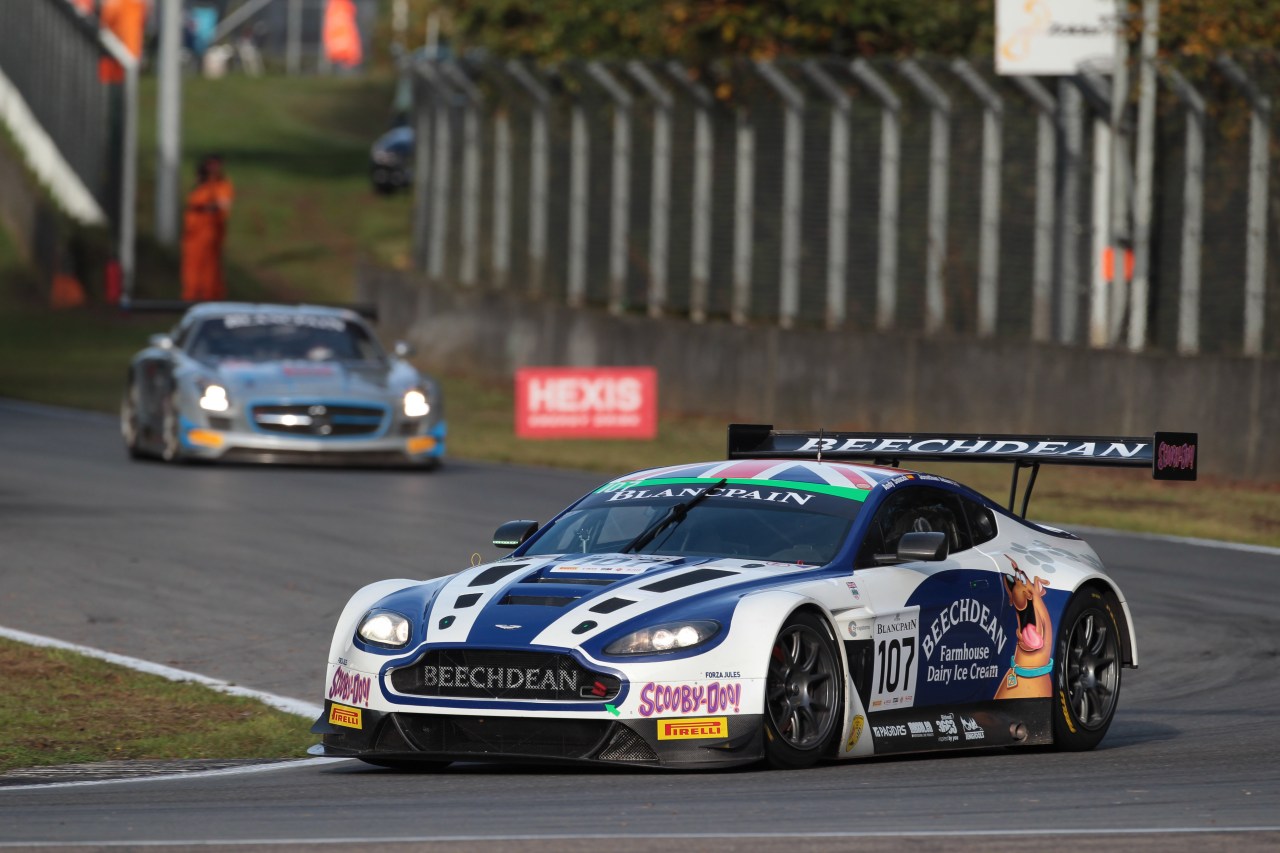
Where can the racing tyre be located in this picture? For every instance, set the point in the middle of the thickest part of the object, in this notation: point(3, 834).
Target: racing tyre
point(129, 425)
point(170, 438)
point(1086, 674)
point(803, 694)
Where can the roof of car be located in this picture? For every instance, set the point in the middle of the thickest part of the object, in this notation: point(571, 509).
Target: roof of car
point(217, 309)
point(801, 472)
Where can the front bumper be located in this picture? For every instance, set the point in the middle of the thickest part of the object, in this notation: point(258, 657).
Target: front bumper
point(224, 439)
point(407, 737)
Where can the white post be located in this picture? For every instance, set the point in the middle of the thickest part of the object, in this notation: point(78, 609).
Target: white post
point(501, 198)
point(579, 201)
point(293, 39)
point(1144, 179)
point(468, 268)
point(1042, 265)
point(935, 306)
point(169, 122)
point(890, 169)
point(620, 185)
point(703, 149)
point(989, 226)
point(1192, 214)
point(837, 193)
point(539, 170)
point(743, 217)
point(1118, 208)
point(660, 185)
point(127, 235)
point(792, 189)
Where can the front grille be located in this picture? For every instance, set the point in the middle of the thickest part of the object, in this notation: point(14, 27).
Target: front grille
point(626, 745)
point(319, 420)
point(493, 674)
point(515, 736)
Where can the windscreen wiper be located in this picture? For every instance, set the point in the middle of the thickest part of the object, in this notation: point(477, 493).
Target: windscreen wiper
point(675, 515)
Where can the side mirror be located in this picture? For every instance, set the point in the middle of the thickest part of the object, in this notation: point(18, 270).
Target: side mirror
point(402, 349)
point(930, 546)
point(162, 341)
point(513, 534)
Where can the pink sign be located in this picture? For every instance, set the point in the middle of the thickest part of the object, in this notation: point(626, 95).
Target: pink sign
point(586, 402)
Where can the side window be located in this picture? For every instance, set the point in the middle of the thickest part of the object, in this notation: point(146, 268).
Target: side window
point(982, 521)
point(917, 509)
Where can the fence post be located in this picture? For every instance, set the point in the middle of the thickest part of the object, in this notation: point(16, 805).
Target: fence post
point(579, 201)
point(421, 171)
point(743, 215)
point(792, 199)
point(703, 150)
point(620, 185)
point(1118, 208)
point(1256, 236)
point(440, 171)
point(1143, 179)
point(1192, 214)
point(470, 172)
point(837, 192)
point(539, 172)
point(127, 229)
point(939, 170)
point(1046, 155)
point(660, 192)
point(992, 155)
point(1072, 128)
point(890, 169)
point(1100, 296)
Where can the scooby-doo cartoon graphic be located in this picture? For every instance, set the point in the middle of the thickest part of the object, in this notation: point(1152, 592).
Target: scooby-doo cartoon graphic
point(1030, 671)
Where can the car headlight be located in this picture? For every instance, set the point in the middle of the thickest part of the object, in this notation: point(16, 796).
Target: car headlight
point(415, 404)
point(671, 637)
point(214, 399)
point(384, 628)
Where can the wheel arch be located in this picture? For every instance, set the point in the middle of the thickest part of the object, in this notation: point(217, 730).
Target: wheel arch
point(1128, 642)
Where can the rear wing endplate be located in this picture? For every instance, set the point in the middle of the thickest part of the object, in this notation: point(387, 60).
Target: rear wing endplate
point(1168, 455)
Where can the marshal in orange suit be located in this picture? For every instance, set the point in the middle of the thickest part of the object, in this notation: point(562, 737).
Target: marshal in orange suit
point(204, 230)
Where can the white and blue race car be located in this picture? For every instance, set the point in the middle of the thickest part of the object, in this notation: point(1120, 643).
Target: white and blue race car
point(258, 382)
point(789, 604)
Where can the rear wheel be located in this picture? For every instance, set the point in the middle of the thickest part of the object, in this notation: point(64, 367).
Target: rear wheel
point(1086, 673)
point(803, 693)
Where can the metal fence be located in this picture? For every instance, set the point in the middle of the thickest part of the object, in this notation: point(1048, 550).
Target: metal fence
point(50, 55)
point(916, 195)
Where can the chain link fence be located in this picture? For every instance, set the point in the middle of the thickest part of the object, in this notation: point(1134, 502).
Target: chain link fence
point(926, 196)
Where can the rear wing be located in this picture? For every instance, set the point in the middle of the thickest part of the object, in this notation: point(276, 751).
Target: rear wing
point(1168, 455)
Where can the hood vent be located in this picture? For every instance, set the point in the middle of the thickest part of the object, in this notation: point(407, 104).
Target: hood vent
point(540, 600)
point(611, 604)
point(495, 573)
point(467, 600)
point(687, 579)
point(571, 581)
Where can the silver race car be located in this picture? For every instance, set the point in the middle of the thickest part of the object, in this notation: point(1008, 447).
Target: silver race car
point(240, 381)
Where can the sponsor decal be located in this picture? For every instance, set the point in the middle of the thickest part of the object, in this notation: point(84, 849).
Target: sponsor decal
point(659, 699)
point(349, 687)
point(612, 565)
point(855, 732)
point(947, 729)
point(896, 638)
point(920, 728)
point(889, 731)
point(722, 675)
point(699, 728)
point(962, 612)
point(972, 731)
point(853, 590)
point(572, 402)
point(262, 318)
point(1175, 457)
point(341, 715)
point(959, 446)
point(683, 492)
point(501, 677)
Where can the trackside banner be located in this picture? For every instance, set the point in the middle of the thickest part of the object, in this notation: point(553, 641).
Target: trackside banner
point(597, 402)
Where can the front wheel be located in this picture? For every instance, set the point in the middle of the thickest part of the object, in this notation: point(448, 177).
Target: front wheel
point(803, 694)
point(170, 431)
point(130, 420)
point(1086, 673)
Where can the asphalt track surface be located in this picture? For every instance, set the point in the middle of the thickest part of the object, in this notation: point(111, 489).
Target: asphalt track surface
point(239, 573)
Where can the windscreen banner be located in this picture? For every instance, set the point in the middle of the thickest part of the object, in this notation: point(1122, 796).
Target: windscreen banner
point(587, 402)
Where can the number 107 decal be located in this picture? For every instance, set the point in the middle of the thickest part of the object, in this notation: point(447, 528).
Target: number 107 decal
point(896, 639)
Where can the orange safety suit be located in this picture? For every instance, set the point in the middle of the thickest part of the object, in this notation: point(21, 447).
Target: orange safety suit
point(127, 20)
point(342, 34)
point(204, 229)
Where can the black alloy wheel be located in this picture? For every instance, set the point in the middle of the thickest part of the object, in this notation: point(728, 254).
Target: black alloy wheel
point(1086, 670)
point(803, 693)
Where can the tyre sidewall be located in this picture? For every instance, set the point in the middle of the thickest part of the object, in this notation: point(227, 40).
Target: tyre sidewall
point(778, 753)
point(1069, 734)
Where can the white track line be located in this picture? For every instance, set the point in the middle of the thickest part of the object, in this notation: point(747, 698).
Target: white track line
point(674, 836)
point(283, 703)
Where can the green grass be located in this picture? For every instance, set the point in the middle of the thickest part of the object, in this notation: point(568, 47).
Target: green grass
point(64, 708)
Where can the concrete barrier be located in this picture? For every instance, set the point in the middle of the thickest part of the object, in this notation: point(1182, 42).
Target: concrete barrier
point(855, 379)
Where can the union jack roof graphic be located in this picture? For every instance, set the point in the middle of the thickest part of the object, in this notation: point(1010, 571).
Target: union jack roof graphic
point(840, 474)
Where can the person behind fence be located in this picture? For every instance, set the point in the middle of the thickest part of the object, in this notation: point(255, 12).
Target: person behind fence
point(204, 230)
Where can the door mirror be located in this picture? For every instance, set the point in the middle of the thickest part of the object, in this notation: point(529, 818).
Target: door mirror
point(513, 534)
point(402, 349)
point(930, 546)
point(162, 341)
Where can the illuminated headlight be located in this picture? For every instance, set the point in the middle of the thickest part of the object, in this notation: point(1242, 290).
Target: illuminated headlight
point(214, 399)
point(383, 628)
point(416, 405)
point(671, 637)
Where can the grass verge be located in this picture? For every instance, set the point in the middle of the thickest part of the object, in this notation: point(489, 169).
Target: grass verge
point(60, 707)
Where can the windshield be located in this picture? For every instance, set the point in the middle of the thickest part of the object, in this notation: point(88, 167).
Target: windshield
point(282, 337)
point(753, 521)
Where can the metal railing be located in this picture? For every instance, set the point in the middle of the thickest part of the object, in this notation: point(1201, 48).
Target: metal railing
point(917, 195)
